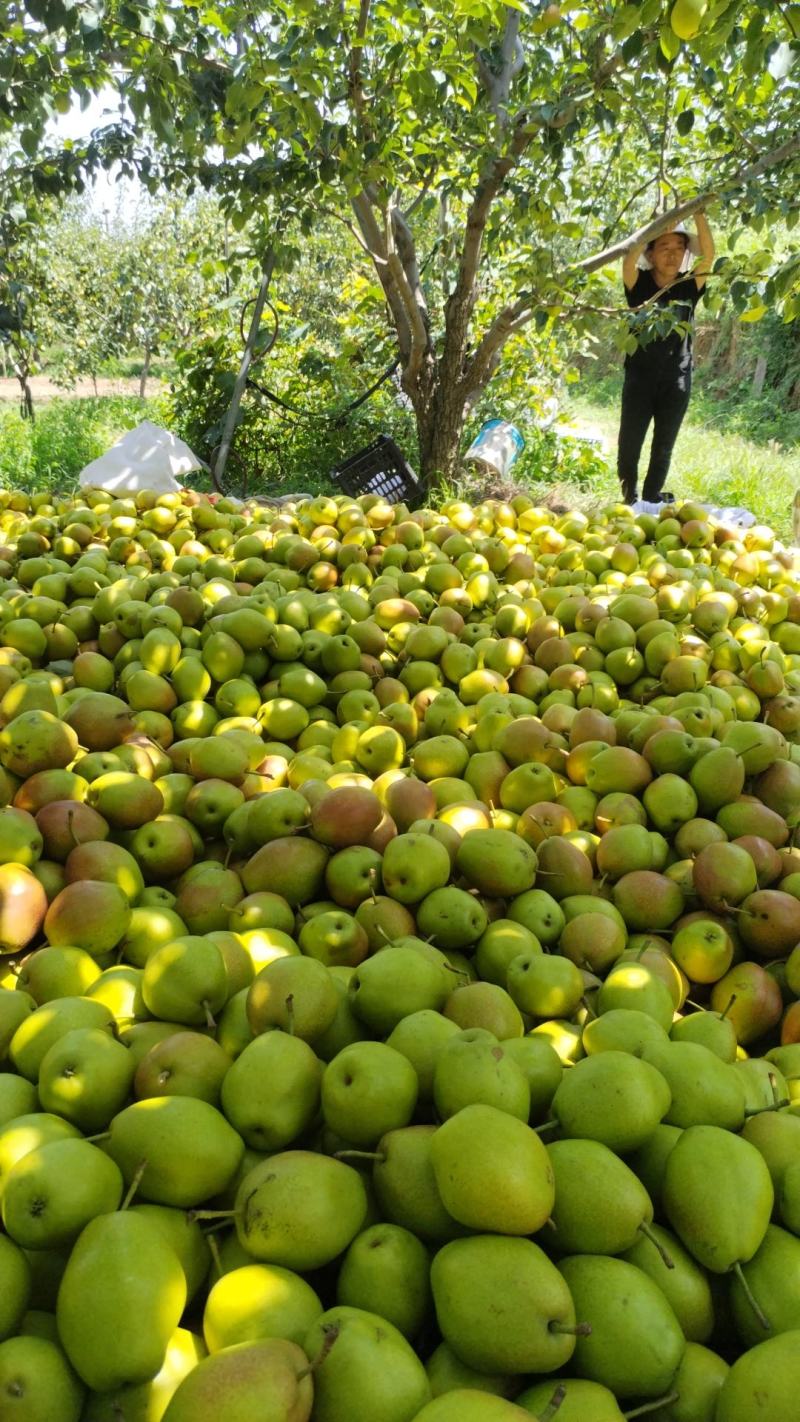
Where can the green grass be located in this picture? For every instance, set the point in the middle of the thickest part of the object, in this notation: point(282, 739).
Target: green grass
point(66, 435)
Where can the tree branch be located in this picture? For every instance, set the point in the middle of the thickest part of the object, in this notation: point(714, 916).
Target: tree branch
point(355, 70)
point(409, 287)
point(375, 244)
point(783, 154)
point(497, 82)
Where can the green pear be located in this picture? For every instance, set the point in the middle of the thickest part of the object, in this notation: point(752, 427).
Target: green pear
point(368, 1374)
point(27, 1133)
point(502, 1306)
point(697, 1384)
point(367, 1090)
point(271, 1093)
point(52, 1193)
point(763, 1083)
point(120, 1300)
point(649, 1162)
point(622, 1029)
point(18, 1096)
point(293, 993)
point(447, 1373)
point(147, 1402)
point(613, 1098)
point(541, 914)
point(37, 1382)
point(185, 981)
point(405, 1184)
point(765, 1379)
point(610, 1217)
point(57, 972)
point(258, 1301)
point(634, 985)
point(503, 941)
point(471, 1405)
point(541, 1068)
point(86, 1077)
point(185, 1237)
point(636, 1342)
point(15, 1294)
point(492, 1171)
point(473, 1068)
point(581, 1400)
point(37, 1034)
point(420, 1037)
point(682, 1281)
point(345, 1027)
point(386, 1270)
point(452, 918)
point(776, 1136)
point(299, 1209)
point(395, 982)
point(178, 1150)
point(722, 1228)
point(772, 1279)
point(269, 1377)
point(709, 1029)
point(15, 1006)
point(705, 1091)
point(545, 984)
point(496, 862)
point(413, 866)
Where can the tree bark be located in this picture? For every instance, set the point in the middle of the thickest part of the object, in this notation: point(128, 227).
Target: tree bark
point(231, 416)
point(145, 371)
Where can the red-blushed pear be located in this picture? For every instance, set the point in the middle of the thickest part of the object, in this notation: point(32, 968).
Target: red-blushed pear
point(346, 816)
point(648, 900)
point(292, 867)
point(108, 863)
point(564, 868)
point(765, 857)
point(751, 1000)
point(383, 920)
point(47, 785)
point(99, 720)
point(207, 894)
point(748, 815)
point(88, 914)
point(724, 874)
point(768, 923)
point(185, 1064)
point(295, 994)
point(63, 824)
point(593, 941)
point(125, 800)
point(385, 831)
point(36, 741)
point(164, 848)
point(23, 905)
point(410, 799)
point(268, 1375)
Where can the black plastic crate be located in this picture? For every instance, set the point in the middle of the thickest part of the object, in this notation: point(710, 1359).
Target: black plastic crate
point(380, 468)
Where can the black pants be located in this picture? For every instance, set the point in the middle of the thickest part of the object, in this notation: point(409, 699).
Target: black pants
point(645, 398)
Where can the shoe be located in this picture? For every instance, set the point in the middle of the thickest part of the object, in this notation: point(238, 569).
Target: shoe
point(664, 497)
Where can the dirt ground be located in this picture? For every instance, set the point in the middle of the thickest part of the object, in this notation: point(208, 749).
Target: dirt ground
point(43, 388)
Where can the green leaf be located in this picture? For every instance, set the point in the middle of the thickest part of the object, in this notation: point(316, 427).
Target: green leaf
point(685, 122)
point(754, 313)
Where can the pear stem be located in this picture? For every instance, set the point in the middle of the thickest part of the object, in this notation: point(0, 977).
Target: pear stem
point(209, 1015)
point(213, 1214)
point(650, 1234)
point(554, 1405)
point(330, 1334)
point(134, 1185)
point(655, 1405)
point(546, 1126)
point(290, 1013)
point(578, 1330)
point(358, 1155)
point(728, 1007)
point(760, 1110)
point(214, 1252)
point(101, 1136)
point(751, 1298)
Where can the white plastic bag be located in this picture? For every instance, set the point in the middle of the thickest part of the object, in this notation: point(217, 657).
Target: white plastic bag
point(147, 457)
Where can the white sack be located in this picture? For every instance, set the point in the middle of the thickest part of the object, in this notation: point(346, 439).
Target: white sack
point(147, 457)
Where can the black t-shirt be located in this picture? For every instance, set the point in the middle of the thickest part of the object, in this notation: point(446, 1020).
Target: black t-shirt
point(661, 352)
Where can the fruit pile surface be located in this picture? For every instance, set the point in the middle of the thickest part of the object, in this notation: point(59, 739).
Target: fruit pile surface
point(400, 975)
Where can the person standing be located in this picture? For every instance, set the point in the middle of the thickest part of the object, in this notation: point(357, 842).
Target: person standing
point(658, 374)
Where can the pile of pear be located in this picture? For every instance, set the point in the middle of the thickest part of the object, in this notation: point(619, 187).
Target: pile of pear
point(399, 963)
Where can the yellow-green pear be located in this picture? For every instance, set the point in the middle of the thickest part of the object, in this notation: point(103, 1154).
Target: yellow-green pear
point(578, 1400)
point(259, 1301)
point(185, 1237)
point(147, 1402)
point(37, 1383)
point(300, 1209)
point(52, 1193)
point(492, 1171)
point(766, 1380)
point(608, 1217)
point(181, 1151)
point(635, 1343)
point(271, 1093)
point(723, 1227)
point(405, 1184)
point(695, 1387)
point(268, 1378)
point(682, 1281)
point(386, 1270)
point(502, 1306)
point(705, 1090)
point(771, 1281)
point(471, 1405)
point(447, 1373)
point(120, 1300)
point(368, 1374)
point(612, 1097)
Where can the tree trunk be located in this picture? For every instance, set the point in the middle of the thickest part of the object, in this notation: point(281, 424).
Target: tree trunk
point(145, 370)
point(26, 398)
point(440, 422)
point(240, 385)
